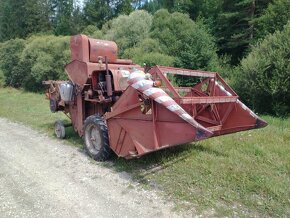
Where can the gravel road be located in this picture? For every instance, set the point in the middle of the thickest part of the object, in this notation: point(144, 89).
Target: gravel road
point(45, 177)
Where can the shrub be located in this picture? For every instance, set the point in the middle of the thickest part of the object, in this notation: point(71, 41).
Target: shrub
point(263, 79)
point(10, 53)
point(44, 58)
point(93, 32)
point(273, 18)
point(1, 71)
point(189, 42)
point(148, 52)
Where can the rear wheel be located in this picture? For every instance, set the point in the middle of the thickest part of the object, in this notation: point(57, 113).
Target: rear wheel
point(96, 138)
point(59, 129)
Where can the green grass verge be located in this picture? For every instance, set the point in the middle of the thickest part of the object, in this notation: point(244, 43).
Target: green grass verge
point(243, 174)
point(32, 109)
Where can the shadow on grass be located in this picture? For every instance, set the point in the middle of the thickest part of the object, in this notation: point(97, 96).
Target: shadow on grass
point(152, 163)
point(73, 137)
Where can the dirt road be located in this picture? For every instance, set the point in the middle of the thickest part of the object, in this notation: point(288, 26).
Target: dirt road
point(44, 177)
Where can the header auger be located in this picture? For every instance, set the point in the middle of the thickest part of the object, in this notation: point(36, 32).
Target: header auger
point(117, 107)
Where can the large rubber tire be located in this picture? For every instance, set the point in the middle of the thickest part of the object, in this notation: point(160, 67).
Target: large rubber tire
point(59, 129)
point(96, 138)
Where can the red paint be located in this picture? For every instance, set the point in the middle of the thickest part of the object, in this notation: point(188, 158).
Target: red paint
point(137, 124)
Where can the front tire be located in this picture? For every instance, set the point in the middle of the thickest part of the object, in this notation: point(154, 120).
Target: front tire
point(96, 138)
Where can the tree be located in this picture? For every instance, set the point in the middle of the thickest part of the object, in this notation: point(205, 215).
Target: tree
point(26, 63)
point(22, 18)
point(263, 79)
point(78, 22)
point(9, 22)
point(189, 42)
point(150, 6)
point(10, 54)
point(128, 31)
point(123, 7)
point(97, 12)
point(148, 51)
point(273, 18)
point(234, 27)
point(63, 11)
point(36, 17)
point(93, 32)
point(43, 58)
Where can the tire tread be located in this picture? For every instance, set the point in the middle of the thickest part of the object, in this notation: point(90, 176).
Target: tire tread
point(105, 150)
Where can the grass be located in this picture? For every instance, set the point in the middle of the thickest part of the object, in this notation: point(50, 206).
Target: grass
point(244, 174)
point(32, 109)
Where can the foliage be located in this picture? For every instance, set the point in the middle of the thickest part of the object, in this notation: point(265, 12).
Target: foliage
point(22, 18)
point(123, 7)
point(148, 52)
point(2, 78)
point(63, 24)
point(97, 12)
point(264, 80)
point(78, 22)
point(44, 58)
point(231, 22)
point(128, 31)
point(27, 63)
point(190, 43)
point(273, 18)
point(10, 53)
point(93, 32)
point(234, 26)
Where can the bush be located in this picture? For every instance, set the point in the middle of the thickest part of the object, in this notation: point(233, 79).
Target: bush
point(10, 53)
point(273, 18)
point(44, 58)
point(1, 71)
point(1, 79)
point(93, 32)
point(189, 42)
point(26, 63)
point(148, 52)
point(128, 31)
point(263, 79)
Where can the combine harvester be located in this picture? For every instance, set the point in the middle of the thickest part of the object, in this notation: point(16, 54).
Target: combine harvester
point(116, 107)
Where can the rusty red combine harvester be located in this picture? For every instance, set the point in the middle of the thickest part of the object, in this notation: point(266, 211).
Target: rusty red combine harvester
point(115, 106)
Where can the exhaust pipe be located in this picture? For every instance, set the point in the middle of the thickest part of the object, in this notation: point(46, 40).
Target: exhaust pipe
point(108, 80)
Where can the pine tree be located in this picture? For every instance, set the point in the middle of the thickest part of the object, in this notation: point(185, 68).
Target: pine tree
point(21, 18)
point(36, 16)
point(123, 7)
point(10, 25)
point(78, 22)
point(63, 22)
point(97, 12)
point(234, 27)
point(273, 18)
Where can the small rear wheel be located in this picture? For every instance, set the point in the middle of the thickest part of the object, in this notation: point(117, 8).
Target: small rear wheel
point(96, 138)
point(59, 129)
